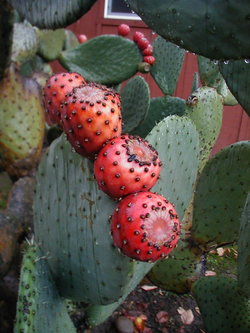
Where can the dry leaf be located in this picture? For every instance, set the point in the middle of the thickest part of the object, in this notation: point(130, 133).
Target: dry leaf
point(148, 288)
point(197, 310)
point(210, 273)
point(187, 316)
point(162, 317)
point(220, 251)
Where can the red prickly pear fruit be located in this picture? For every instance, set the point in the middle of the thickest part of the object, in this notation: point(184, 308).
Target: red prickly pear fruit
point(137, 36)
point(82, 38)
point(55, 91)
point(123, 30)
point(145, 226)
point(125, 165)
point(148, 51)
point(91, 115)
point(149, 59)
point(143, 43)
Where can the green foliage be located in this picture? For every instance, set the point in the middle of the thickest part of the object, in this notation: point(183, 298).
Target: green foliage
point(40, 308)
point(51, 43)
point(52, 14)
point(106, 59)
point(22, 124)
point(237, 77)
point(135, 103)
point(215, 29)
point(220, 196)
point(224, 309)
point(166, 70)
point(244, 250)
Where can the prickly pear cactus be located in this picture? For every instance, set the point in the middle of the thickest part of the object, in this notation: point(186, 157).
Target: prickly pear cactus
point(167, 68)
point(243, 250)
point(220, 196)
point(72, 228)
point(50, 43)
point(22, 125)
point(223, 308)
point(51, 14)
point(40, 308)
point(214, 29)
point(106, 59)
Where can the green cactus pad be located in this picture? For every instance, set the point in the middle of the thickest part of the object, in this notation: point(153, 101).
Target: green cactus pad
point(179, 271)
point(217, 29)
point(244, 250)
point(25, 43)
point(71, 225)
point(135, 103)
point(71, 40)
point(160, 108)
point(220, 196)
point(166, 70)
point(195, 84)
point(39, 308)
point(237, 77)
point(223, 308)
point(51, 43)
point(177, 142)
point(6, 35)
point(204, 108)
point(52, 14)
point(106, 59)
point(210, 76)
point(22, 123)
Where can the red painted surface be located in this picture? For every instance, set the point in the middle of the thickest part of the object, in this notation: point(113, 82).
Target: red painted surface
point(236, 123)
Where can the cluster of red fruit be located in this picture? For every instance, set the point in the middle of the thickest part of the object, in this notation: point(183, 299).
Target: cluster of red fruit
point(144, 225)
point(141, 41)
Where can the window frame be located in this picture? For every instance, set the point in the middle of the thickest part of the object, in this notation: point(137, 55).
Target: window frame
point(117, 16)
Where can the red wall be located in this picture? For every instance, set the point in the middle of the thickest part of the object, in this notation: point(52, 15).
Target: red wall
point(236, 123)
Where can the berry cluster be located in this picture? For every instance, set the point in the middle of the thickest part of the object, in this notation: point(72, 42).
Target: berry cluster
point(144, 225)
point(142, 42)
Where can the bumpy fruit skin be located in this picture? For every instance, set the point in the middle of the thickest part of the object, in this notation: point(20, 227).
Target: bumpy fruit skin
point(123, 30)
point(82, 38)
point(126, 165)
point(145, 226)
point(55, 91)
point(137, 36)
point(148, 51)
point(91, 115)
point(143, 43)
point(149, 59)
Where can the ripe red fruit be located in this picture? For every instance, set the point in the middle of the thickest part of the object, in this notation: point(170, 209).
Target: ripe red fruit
point(125, 165)
point(123, 30)
point(145, 226)
point(91, 115)
point(137, 36)
point(55, 91)
point(143, 43)
point(149, 59)
point(148, 51)
point(82, 38)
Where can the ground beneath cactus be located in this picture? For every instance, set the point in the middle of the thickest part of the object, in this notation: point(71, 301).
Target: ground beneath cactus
point(159, 311)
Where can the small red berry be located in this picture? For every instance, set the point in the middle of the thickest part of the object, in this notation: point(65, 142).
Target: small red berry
point(143, 43)
point(149, 59)
point(125, 165)
point(148, 51)
point(123, 30)
point(137, 36)
point(145, 226)
point(82, 38)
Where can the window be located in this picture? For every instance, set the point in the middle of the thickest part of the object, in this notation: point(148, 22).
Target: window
point(117, 9)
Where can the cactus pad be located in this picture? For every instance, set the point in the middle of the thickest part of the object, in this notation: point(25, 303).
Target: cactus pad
point(39, 309)
point(204, 108)
point(22, 124)
point(71, 226)
point(166, 70)
point(244, 249)
point(179, 271)
point(220, 196)
point(106, 59)
point(223, 308)
point(51, 14)
point(237, 77)
point(160, 108)
point(135, 103)
point(177, 142)
point(51, 43)
point(217, 29)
